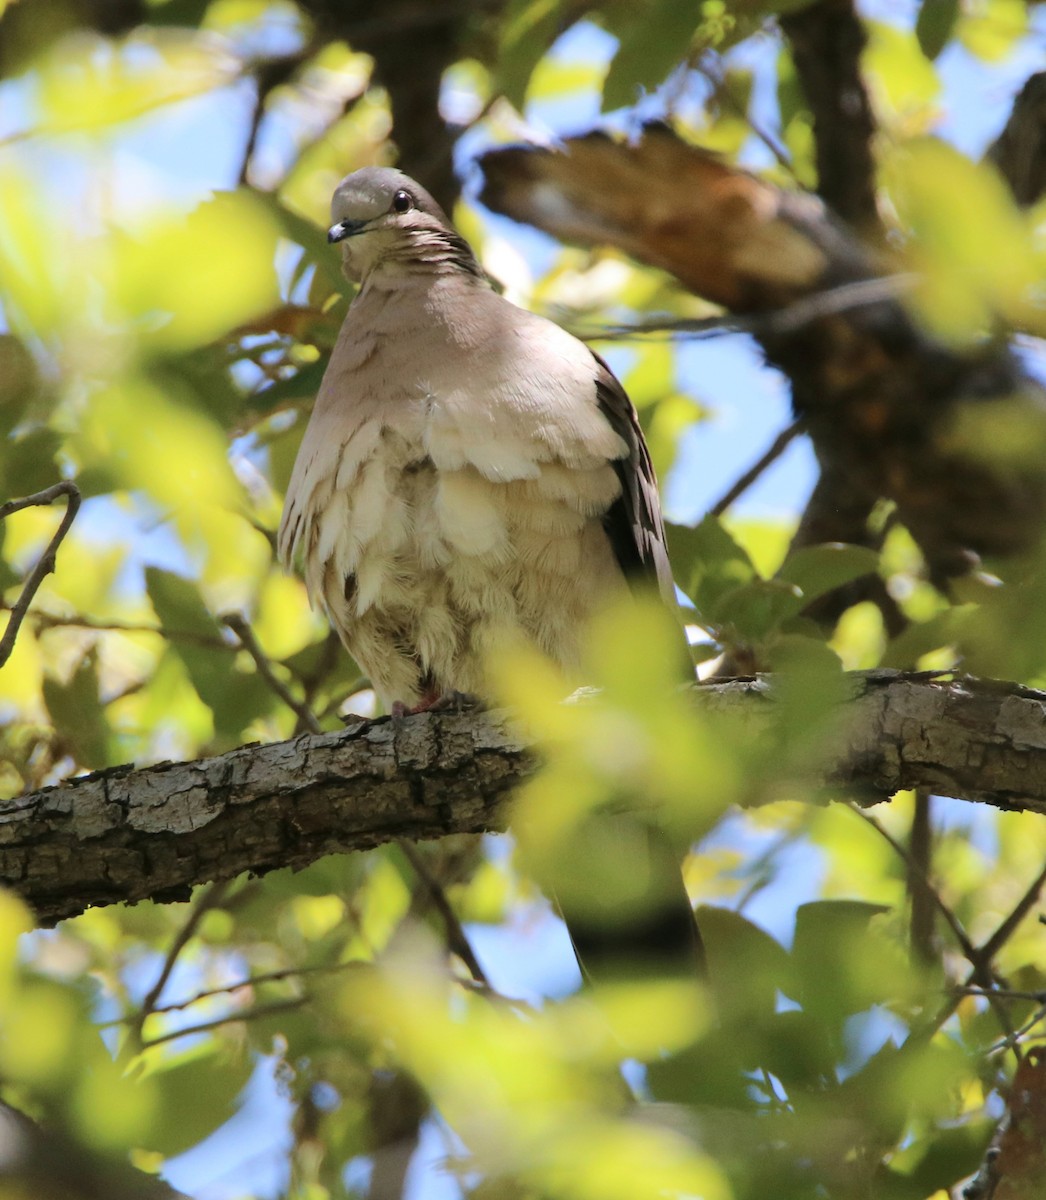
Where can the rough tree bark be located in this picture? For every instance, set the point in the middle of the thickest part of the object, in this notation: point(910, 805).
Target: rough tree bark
point(125, 835)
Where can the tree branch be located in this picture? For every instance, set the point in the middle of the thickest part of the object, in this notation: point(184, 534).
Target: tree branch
point(46, 563)
point(884, 404)
point(827, 39)
point(1020, 150)
point(127, 835)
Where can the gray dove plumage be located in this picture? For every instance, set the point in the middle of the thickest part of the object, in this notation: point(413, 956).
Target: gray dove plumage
point(471, 472)
point(472, 475)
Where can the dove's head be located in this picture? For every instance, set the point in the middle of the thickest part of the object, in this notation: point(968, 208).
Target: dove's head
point(383, 218)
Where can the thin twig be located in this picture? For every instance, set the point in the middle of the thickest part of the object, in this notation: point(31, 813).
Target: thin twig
point(268, 76)
point(979, 958)
point(210, 898)
point(250, 982)
point(988, 951)
point(780, 443)
point(917, 873)
point(1012, 1039)
point(778, 322)
point(1004, 993)
point(49, 620)
point(46, 564)
point(1005, 931)
point(456, 937)
point(251, 1014)
point(721, 92)
point(238, 624)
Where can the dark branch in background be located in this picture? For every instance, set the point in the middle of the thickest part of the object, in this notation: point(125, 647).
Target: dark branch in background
point(412, 43)
point(885, 406)
point(268, 76)
point(457, 941)
point(46, 564)
point(122, 834)
point(921, 895)
point(1020, 150)
point(827, 39)
point(248, 1014)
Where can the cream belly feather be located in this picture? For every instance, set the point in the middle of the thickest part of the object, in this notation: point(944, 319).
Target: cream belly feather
point(449, 519)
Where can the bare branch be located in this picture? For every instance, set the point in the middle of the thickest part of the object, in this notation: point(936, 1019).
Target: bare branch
point(46, 564)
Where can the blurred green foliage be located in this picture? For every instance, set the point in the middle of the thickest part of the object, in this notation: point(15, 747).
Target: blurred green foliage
point(163, 352)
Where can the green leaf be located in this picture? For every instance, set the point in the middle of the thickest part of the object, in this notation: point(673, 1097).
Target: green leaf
point(746, 966)
point(656, 37)
point(179, 605)
point(309, 236)
point(992, 28)
point(902, 1084)
point(935, 25)
point(953, 1153)
point(233, 697)
point(815, 570)
point(838, 961)
point(196, 1094)
point(19, 381)
point(796, 1050)
point(708, 562)
point(752, 612)
point(77, 713)
point(31, 465)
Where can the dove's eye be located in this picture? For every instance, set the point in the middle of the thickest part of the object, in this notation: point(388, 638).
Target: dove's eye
point(402, 202)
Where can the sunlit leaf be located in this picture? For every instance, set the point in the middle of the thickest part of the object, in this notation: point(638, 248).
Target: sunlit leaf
point(990, 29)
point(186, 280)
point(101, 83)
point(818, 569)
point(902, 80)
point(964, 281)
